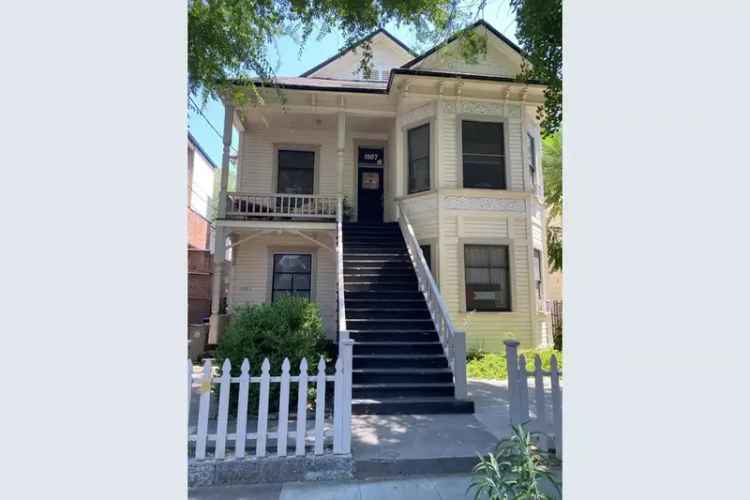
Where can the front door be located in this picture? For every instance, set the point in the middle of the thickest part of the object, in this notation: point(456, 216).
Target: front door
point(370, 195)
point(370, 185)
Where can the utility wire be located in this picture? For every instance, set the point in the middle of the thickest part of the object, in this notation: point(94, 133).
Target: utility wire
point(200, 112)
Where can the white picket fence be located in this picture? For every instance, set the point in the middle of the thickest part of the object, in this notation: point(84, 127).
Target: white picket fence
point(301, 435)
point(518, 385)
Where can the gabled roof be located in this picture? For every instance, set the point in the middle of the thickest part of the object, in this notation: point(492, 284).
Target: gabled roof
point(481, 22)
point(344, 51)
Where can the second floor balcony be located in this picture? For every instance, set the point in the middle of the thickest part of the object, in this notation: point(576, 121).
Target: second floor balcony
point(282, 206)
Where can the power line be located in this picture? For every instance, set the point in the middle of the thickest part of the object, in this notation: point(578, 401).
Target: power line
point(200, 112)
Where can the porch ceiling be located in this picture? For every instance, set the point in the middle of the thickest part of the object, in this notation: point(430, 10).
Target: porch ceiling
point(319, 121)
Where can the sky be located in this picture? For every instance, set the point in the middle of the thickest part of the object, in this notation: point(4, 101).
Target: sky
point(289, 62)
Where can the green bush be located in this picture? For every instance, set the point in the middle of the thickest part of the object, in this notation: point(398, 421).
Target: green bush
point(495, 366)
point(290, 327)
point(516, 470)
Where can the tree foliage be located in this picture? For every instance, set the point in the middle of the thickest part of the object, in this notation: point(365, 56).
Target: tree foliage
point(553, 198)
point(229, 40)
point(539, 32)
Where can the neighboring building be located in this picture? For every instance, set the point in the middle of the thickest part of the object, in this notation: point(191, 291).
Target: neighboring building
point(200, 233)
point(455, 146)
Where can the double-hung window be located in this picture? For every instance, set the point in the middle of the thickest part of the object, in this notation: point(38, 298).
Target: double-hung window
point(418, 143)
point(538, 274)
point(483, 154)
point(532, 161)
point(487, 278)
point(296, 172)
point(292, 275)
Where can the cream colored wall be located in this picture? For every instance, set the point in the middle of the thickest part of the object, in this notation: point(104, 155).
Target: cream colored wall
point(202, 186)
point(386, 55)
point(256, 173)
point(250, 281)
point(455, 216)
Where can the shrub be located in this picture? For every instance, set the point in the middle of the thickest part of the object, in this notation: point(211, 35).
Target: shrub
point(290, 327)
point(495, 366)
point(516, 470)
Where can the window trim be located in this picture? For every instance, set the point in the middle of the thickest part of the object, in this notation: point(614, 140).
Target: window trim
point(460, 118)
point(462, 242)
point(433, 154)
point(532, 163)
point(434, 256)
point(278, 250)
point(314, 148)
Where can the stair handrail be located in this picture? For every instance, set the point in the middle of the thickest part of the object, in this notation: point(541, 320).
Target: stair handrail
point(340, 269)
point(452, 340)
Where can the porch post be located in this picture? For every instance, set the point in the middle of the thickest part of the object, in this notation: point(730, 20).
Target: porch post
point(341, 145)
point(217, 286)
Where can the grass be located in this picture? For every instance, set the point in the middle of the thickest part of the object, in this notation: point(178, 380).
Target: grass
point(491, 366)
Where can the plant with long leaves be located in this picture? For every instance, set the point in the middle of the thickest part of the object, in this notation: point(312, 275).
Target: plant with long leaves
point(515, 470)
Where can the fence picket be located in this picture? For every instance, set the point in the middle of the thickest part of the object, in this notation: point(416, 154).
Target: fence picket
point(241, 432)
point(265, 380)
point(541, 414)
point(523, 379)
point(511, 347)
point(221, 423)
point(301, 409)
point(556, 404)
point(320, 401)
point(205, 402)
point(282, 426)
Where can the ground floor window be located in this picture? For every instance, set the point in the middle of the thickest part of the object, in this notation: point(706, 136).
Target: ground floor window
point(292, 275)
point(487, 278)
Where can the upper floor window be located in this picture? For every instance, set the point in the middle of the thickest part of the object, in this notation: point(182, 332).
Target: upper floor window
point(418, 140)
point(292, 275)
point(483, 149)
point(296, 172)
point(487, 277)
point(532, 160)
point(538, 273)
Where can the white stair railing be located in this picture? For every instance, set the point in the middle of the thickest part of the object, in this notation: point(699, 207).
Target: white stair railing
point(453, 341)
point(345, 343)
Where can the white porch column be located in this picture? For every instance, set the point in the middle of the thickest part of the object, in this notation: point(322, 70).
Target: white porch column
point(341, 145)
point(217, 286)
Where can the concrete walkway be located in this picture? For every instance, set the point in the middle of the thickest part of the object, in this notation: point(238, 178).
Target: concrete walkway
point(446, 487)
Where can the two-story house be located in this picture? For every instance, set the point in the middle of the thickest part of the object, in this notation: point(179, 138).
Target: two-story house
point(407, 205)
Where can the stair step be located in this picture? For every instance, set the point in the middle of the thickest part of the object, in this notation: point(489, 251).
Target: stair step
point(381, 288)
point(399, 361)
point(383, 295)
point(406, 405)
point(390, 324)
point(391, 347)
point(367, 376)
point(390, 390)
point(414, 313)
point(386, 336)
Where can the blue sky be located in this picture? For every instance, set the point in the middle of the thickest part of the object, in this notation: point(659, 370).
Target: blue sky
point(289, 62)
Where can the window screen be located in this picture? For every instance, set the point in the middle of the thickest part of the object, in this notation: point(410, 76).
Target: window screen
point(419, 158)
point(487, 278)
point(483, 155)
point(292, 275)
point(296, 172)
point(538, 273)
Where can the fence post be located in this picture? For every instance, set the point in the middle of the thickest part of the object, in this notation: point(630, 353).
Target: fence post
point(511, 356)
point(203, 408)
point(459, 364)
point(241, 434)
point(282, 428)
point(299, 449)
point(265, 382)
point(320, 403)
point(523, 389)
point(346, 426)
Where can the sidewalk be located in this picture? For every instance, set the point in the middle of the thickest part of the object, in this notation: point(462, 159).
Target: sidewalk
point(446, 487)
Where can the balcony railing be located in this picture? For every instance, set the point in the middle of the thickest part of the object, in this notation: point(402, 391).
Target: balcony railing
point(280, 205)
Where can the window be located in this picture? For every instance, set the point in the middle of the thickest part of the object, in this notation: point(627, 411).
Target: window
point(538, 273)
point(532, 159)
point(292, 275)
point(483, 155)
point(427, 255)
point(419, 158)
point(296, 172)
point(487, 278)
